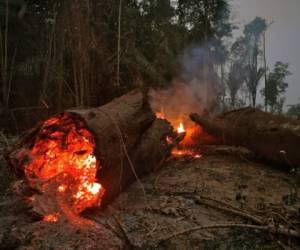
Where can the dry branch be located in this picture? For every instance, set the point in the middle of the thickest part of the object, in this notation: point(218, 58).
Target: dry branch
point(261, 224)
point(272, 230)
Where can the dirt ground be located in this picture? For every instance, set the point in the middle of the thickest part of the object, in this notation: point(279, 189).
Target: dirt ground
point(168, 209)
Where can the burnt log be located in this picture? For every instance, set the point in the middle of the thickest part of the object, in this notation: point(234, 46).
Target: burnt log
point(127, 135)
point(129, 143)
point(273, 138)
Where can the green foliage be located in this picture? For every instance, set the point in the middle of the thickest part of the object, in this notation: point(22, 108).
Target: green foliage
point(66, 50)
point(255, 28)
point(236, 78)
point(63, 53)
point(15, 9)
point(247, 50)
point(276, 87)
point(294, 110)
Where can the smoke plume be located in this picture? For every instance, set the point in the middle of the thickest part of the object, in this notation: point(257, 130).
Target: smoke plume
point(195, 89)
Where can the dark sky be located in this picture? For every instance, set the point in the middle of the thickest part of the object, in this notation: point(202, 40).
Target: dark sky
point(283, 37)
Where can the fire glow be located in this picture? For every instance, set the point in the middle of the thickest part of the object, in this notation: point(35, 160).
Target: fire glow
point(61, 163)
point(51, 217)
point(187, 145)
point(185, 152)
point(180, 128)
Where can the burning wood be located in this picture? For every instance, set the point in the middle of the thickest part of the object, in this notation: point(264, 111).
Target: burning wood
point(84, 158)
point(62, 159)
point(190, 138)
point(186, 143)
point(180, 129)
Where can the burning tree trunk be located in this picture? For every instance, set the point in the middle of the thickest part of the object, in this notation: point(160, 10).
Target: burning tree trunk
point(83, 157)
point(275, 139)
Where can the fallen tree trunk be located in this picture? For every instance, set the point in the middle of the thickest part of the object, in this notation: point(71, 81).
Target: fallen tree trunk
point(127, 134)
point(273, 138)
point(129, 142)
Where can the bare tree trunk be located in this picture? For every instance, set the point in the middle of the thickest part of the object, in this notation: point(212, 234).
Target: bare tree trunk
point(255, 80)
point(119, 44)
point(61, 76)
point(223, 86)
point(265, 66)
point(6, 49)
point(49, 60)
point(254, 98)
point(273, 138)
point(11, 72)
point(4, 59)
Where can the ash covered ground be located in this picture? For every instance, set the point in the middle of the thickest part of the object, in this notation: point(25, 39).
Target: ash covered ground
point(183, 195)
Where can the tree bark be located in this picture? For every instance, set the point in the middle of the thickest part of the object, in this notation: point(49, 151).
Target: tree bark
point(126, 124)
point(272, 138)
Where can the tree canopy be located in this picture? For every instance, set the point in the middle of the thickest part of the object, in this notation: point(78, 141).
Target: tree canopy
point(56, 54)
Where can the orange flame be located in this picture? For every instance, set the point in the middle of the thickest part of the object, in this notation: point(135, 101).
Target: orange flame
point(180, 128)
point(61, 161)
point(186, 152)
point(61, 188)
point(160, 115)
point(51, 218)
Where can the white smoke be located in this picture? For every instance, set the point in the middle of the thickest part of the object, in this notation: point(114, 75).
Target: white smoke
point(195, 89)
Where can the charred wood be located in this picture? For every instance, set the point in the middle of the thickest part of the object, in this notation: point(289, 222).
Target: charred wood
point(272, 138)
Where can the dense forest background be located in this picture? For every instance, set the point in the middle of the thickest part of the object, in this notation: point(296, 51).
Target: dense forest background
point(82, 53)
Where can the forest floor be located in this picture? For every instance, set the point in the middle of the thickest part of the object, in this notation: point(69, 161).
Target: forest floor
point(184, 194)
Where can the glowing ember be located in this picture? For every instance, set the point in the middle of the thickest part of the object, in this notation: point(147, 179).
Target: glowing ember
point(160, 115)
point(61, 162)
point(51, 218)
point(180, 128)
point(61, 188)
point(94, 188)
point(187, 147)
point(169, 140)
point(185, 152)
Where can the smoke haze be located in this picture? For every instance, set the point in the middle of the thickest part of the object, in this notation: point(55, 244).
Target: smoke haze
point(195, 89)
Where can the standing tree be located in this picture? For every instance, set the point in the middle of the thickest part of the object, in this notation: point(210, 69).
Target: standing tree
point(253, 32)
point(66, 53)
point(235, 81)
point(10, 14)
point(276, 87)
point(265, 61)
point(294, 111)
point(207, 24)
point(247, 51)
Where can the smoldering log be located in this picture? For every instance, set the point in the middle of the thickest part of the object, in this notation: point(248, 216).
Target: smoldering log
point(126, 130)
point(272, 138)
point(129, 142)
